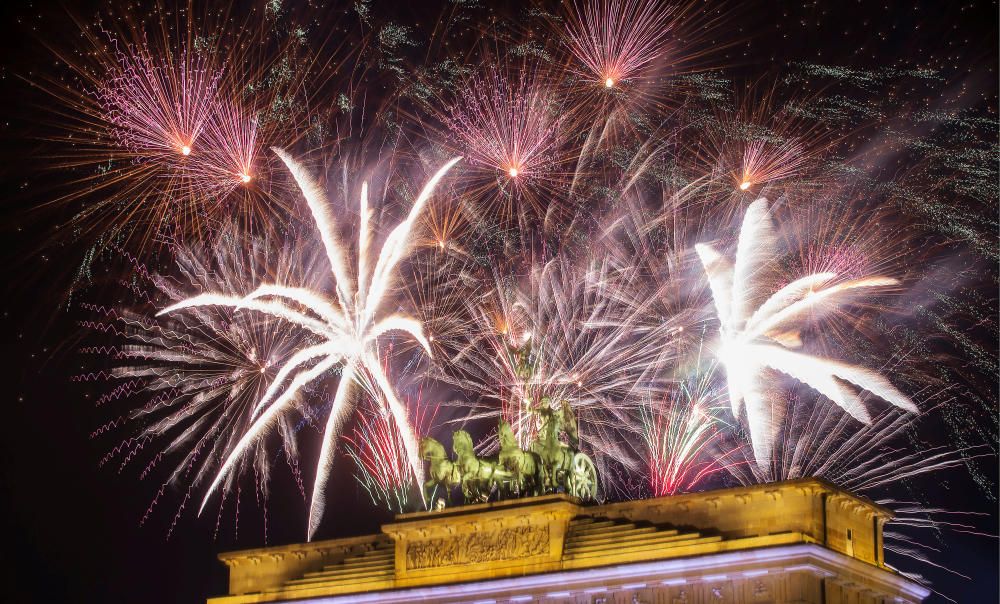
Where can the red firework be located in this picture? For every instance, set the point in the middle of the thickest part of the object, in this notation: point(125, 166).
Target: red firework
point(377, 448)
point(682, 436)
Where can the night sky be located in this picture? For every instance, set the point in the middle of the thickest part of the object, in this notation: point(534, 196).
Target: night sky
point(71, 529)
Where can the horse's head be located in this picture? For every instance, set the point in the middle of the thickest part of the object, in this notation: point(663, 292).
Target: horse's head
point(461, 443)
point(431, 449)
point(506, 435)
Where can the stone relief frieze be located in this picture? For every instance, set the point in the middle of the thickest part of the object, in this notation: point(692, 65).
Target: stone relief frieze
point(473, 548)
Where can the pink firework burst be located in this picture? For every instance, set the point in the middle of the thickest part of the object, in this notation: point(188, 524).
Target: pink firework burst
point(172, 111)
point(507, 129)
point(158, 107)
point(760, 143)
point(613, 41)
point(769, 161)
point(231, 144)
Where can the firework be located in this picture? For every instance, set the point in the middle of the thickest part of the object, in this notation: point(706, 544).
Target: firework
point(232, 146)
point(765, 161)
point(347, 326)
point(757, 339)
point(158, 109)
point(761, 144)
point(508, 127)
point(681, 433)
point(201, 374)
point(379, 452)
point(613, 42)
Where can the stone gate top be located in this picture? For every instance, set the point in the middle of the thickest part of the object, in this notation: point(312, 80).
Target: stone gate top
point(801, 540)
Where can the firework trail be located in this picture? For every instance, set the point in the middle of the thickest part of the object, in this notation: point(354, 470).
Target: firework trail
point(347, 327)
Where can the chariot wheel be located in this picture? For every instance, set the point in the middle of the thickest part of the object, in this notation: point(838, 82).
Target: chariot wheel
point(583, 477)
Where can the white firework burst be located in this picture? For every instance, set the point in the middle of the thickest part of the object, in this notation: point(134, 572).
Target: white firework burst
point(758, 333)
point(348, 329)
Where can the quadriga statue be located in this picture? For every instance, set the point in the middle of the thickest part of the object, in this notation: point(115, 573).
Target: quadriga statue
point(548, 466)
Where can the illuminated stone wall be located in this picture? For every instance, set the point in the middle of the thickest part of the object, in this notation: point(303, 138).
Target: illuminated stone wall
point(796, 541)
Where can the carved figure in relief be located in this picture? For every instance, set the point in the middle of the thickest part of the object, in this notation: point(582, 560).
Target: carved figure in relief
point(479, 547)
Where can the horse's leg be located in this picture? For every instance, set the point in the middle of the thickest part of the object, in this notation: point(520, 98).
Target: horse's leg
point(451, 481)
point(429, 492)
point(468, 491)
point(529, 476)
point(498, 483)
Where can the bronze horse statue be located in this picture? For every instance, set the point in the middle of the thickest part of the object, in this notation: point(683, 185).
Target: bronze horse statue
point(442, 470)
point(556, 457)
point(479, 476)
point(524, 466)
